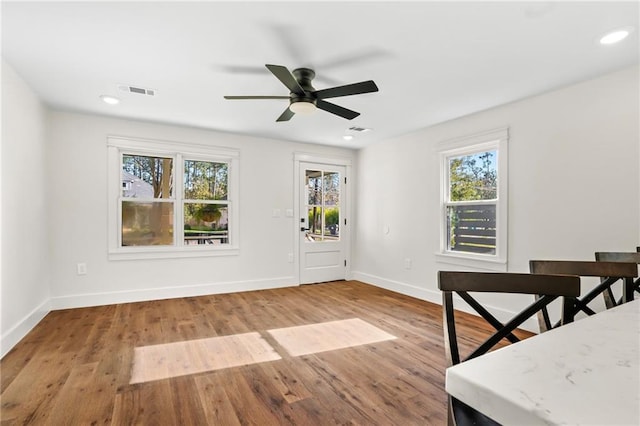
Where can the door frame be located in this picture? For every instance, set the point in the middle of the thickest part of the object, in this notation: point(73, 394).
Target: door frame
point(345, 230)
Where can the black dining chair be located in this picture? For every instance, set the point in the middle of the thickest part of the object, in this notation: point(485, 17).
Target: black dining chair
point(608, 272)
point(617, 256)
point(546, 288)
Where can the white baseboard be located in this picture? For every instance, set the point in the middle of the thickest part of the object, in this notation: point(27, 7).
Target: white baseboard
point(436, 297)
point(129, 296)
point(24, 326)
point(398, 287)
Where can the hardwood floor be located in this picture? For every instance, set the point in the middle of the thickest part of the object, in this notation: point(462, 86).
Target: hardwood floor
point(75, 367)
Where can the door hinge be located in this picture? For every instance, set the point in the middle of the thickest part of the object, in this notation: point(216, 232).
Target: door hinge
point(345, 180)
point(345, 221)
point(345, 262)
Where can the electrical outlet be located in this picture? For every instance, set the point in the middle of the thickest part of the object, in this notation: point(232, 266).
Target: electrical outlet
point(290, 258)
point(82, 268)
point(407, 263)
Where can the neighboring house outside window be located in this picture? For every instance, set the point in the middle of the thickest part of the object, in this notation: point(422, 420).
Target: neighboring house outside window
point(474, 201)
point(171, 200)
point(134, 187)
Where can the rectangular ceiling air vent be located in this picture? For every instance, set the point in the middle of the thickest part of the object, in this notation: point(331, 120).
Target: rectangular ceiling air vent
point(358, 129)
point(138, 90)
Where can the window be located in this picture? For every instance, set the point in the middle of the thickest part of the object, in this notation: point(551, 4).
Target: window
point(474, 200)
point(171, 200)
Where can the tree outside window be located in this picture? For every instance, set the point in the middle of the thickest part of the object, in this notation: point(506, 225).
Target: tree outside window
point(147, 204)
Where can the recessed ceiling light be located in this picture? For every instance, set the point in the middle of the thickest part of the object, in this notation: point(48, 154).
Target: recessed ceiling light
point(110, 100)
point(347, 137)
point(616, 36)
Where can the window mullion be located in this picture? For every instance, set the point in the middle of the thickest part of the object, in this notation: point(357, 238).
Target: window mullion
point(471, 202)
point(179, 205)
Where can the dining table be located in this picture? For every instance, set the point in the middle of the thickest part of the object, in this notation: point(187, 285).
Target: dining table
point(583, 373)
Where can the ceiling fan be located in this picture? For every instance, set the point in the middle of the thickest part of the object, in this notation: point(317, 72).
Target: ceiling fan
point(304, 99)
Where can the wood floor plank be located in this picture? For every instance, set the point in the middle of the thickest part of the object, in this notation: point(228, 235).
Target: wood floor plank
point(218, 408)
point(33, 393)
point(84, 384)
point(145, 404)
point(75, 367)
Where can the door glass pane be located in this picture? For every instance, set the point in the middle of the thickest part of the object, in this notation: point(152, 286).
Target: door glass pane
point(206, 223)
point(314, 187)
point(331, 188)
point(331, 223)
point(147, 223)
point(315, 223)
point(322, 205)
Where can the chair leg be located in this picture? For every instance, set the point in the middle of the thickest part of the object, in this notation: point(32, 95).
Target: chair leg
point(451, 421)
point(609, 300)
point(628, 289)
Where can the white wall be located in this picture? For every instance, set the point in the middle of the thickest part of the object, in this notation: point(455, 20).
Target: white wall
point(78, 216)
point(25, 259)
point(572, 150)
point(573, 185)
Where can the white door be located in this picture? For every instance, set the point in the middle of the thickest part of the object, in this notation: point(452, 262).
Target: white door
point(322, 222)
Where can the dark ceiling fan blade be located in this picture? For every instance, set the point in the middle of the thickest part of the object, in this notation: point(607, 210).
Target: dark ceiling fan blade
point(349, 89)
point(285, 76)
point(337, 110)
point(256, 97)
point(286, 115)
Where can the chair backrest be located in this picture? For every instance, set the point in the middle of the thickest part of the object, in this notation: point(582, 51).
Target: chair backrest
point(546, 288)
point(618, 256)
point(584, 268)
point(609, 272)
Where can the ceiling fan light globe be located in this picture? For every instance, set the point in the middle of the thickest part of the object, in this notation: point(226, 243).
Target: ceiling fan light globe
point(302, 107)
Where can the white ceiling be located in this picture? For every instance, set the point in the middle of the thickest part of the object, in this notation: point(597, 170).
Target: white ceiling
point(433, 61)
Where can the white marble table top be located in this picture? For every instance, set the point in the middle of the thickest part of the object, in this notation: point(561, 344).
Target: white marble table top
point(584, 373)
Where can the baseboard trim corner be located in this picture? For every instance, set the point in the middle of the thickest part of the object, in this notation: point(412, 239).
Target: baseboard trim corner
point(398, 287)
point(23, 327)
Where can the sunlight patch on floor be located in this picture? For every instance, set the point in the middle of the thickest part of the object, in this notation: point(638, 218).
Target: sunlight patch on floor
point(157, 362)
point(328, 336)
point(167, 360)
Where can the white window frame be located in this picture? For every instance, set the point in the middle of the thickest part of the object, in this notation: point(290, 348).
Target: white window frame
point(117, 146)
point(496, 139)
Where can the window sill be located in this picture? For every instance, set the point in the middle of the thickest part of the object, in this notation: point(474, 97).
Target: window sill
point(471, 261)
point(171, 253)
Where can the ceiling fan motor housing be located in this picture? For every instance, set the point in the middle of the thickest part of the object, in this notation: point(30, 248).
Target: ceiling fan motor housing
point(304, 77)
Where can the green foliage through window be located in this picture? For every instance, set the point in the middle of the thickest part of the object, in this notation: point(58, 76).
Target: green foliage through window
point(207, 182)
point(204, 180)
point(473, 177)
